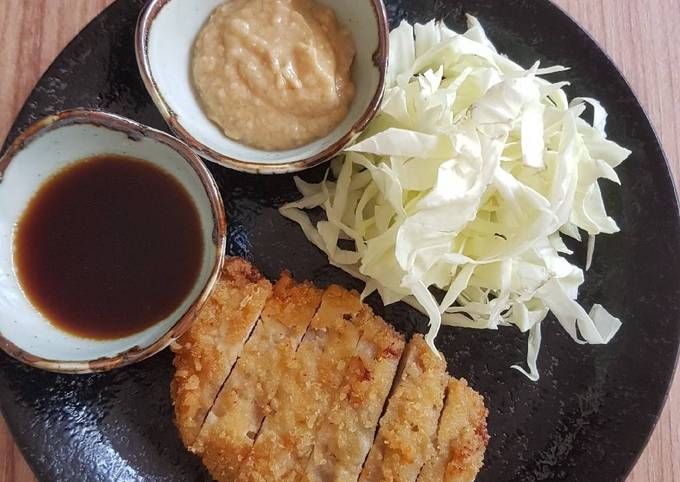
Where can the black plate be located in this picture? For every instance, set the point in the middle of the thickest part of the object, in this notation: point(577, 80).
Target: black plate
point(595, 406)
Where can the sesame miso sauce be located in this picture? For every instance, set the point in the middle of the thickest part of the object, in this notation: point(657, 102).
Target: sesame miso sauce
point(108, 247)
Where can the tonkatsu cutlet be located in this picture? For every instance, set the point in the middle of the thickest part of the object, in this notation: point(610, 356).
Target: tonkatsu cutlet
point(285, 442)
point(231, 426)
point(296, 384)
point(461, 439)
point(346, 435)
point(406, 437)
point(206, 353)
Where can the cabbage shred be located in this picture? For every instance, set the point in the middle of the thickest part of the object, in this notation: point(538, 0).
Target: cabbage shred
point(465, 181)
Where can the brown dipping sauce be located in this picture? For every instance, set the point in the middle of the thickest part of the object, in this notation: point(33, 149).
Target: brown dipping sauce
point(108, 247)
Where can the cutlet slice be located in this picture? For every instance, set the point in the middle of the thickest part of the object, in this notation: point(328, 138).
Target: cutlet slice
point(406, 436)
point(347, 433)
point(309, 384)
point(205, 354)
point(461, 438)
point(231, 426)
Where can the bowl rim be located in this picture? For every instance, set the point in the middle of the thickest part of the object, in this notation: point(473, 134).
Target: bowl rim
point(380, 59)
point(135, 131)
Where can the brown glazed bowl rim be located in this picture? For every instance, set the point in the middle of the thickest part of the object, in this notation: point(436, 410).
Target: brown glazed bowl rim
point(134, 130)
point(380, 58)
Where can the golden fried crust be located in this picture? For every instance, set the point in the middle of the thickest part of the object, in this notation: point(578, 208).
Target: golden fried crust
point(406, 436)
point(308, 387)
point(461, 439)
point(293, 304)
point(346, 435)
point(231, 426)
point(205, 354)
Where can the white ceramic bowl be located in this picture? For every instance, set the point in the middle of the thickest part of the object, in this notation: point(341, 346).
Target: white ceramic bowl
point(166, 31)
point(41, 151)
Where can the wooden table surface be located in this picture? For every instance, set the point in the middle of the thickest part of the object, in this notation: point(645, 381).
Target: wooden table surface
point(638, 34)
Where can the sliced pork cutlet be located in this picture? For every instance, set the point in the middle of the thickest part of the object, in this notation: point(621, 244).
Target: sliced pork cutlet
point(406, 437)
point(231, 426)
point(308, 387)
point(461, 438)
point(346, 435)
point(206, 353)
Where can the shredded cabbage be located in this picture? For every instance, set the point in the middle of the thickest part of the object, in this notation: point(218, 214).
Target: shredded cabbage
point(465, 181)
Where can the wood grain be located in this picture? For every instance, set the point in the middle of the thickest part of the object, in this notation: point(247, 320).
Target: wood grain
point(640, 35)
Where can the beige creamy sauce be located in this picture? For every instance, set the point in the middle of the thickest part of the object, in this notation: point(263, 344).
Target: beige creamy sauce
point(274, 74)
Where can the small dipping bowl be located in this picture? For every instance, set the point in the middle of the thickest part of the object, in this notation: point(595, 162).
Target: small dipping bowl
point(166, 32)
point(42, 151)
